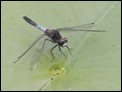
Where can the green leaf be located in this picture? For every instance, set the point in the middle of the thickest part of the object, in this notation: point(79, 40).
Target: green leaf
point(95, 64)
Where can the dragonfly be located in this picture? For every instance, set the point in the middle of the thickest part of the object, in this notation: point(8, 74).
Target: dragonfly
point(55, 37)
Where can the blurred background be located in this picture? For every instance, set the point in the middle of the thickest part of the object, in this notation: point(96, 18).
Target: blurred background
point(95, 64)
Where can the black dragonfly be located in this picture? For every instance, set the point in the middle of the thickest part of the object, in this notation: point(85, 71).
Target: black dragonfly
point(55, 37)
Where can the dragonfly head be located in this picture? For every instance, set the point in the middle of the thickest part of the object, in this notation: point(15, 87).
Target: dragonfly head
point(63, 42)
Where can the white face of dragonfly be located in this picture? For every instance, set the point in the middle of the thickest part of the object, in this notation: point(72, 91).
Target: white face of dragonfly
point(64, 44)
point(65, 41)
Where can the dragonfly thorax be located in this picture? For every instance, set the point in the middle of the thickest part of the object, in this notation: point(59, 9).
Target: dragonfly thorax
point(56, 37)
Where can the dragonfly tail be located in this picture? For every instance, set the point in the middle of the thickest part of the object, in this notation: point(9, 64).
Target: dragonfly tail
point(31, 22)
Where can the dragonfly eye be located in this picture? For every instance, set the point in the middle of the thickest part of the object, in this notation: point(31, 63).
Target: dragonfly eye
point(63, 42)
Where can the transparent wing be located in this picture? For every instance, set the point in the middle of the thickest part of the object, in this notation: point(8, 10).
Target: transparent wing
point(39, 52)
point(84, 27)
point(35, 58)
point(35, 41)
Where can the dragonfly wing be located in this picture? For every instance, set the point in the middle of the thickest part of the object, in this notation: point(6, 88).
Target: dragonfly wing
point(84, 27)
point(35, 41)
point(35, 58)
point(39, 52)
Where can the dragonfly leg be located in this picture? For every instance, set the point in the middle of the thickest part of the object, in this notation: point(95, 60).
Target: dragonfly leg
point(52, 51)
point(69, 51)
point(44, 42)
point(62, 52)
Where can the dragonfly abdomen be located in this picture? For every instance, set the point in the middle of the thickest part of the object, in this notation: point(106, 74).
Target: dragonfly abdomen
point(31, 22)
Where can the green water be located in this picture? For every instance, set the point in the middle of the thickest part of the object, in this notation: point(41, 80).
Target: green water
point(95, 64)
